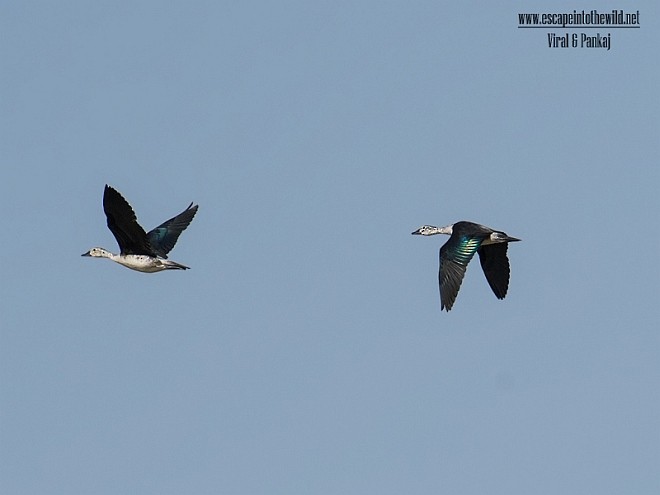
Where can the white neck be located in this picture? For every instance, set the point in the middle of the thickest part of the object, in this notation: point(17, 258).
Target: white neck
point(449, 229)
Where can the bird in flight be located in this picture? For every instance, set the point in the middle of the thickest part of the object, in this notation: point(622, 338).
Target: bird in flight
point(139, 250)
point(467, 238)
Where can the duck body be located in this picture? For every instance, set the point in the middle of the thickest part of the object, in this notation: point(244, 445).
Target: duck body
point(139, 262)
point(466, 239)
point(139, 250)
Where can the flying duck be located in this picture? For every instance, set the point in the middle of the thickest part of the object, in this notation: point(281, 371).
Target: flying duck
point(466, 239)
point(139, 250)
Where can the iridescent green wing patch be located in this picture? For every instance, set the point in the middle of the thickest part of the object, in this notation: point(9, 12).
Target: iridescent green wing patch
point(454, 258)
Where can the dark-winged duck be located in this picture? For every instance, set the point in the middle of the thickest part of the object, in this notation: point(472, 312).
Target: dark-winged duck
point(466, 239)
point(139, 250)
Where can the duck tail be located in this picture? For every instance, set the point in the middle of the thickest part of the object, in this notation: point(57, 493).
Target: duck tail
point(173, 265)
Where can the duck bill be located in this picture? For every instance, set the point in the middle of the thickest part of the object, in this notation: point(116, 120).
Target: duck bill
point(86, 254)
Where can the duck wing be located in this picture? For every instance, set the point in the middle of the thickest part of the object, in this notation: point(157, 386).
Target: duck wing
point(163, 238)
point(455, 255)
point(123, 224)
point(495, 265)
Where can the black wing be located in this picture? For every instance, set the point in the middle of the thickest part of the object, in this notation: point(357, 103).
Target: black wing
point(495, 265)
point(163, 238)
point(454, 258)
point(122, 222)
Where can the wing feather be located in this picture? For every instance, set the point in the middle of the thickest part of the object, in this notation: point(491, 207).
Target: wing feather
point(123, 224)
point(163, 238)
point(455, 255)
point(495, 265)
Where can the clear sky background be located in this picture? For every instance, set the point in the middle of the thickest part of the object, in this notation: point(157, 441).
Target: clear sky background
point(305, 351)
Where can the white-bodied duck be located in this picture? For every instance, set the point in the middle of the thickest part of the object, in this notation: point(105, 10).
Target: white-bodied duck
point(139, 250)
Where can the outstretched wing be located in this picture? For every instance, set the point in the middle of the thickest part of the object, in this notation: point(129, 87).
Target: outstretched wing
point(495, 265)
point(123, 224)
point(454, 258)
point(163, 238)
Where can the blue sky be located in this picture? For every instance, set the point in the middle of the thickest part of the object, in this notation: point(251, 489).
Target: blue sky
point(305, 351)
